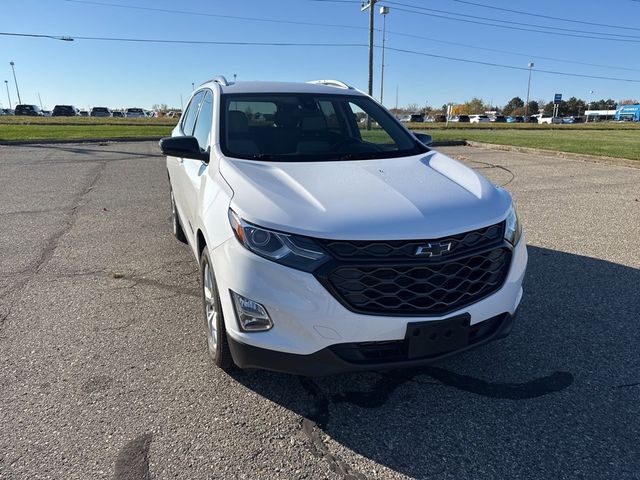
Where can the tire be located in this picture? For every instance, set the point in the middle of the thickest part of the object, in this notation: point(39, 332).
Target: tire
point(178, 232)
point(213, 317)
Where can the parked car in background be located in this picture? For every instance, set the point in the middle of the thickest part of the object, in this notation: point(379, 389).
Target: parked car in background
point(479, 119)
point(83, 113)
point(117, 113)
point(568, 120)
point(135, 113)
point(6, 111)
point(546, 119)
point(531, 119)
point(498, 119)
point(28, 110)
point(440, 118)
point(464, 118)
point(100, 112)
point(173, 114)
point(65, 111)
point(419, 258)
point(46, 113)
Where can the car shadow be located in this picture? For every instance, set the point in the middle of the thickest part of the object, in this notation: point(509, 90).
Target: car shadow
point(520, 407)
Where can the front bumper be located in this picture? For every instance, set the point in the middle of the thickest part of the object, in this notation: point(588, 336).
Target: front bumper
point(308, 320)
point(341, 358)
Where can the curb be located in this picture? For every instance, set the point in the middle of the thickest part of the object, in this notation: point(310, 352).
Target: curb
point(450, 143)
point(78, 140)
point(552, 153)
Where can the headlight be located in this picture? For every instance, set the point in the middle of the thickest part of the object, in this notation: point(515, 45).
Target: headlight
point(291, 250)
point(513, 229)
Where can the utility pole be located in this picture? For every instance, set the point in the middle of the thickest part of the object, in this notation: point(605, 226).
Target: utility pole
point(384, 11)
point(526, 105)
point(40, 100)
point(6, 84)
point(16, 81)
point(370, 5)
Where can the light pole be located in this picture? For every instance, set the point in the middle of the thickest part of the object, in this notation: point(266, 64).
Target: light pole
point(589, 104)
point(6, 84)
point(526, 105)
point(15, 80)
point(370, 4)
point(384, 11)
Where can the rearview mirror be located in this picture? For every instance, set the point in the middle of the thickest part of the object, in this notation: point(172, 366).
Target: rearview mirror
point(183, 147)
point(423, 138)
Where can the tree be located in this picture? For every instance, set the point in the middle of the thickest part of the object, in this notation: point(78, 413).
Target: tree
point(533, 108)
point(513, 104)
point(575, 107)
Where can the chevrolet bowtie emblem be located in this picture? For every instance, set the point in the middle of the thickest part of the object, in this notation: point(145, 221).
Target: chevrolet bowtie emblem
point(433, 249)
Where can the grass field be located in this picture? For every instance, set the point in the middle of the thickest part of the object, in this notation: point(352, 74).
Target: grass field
point(610, 139)
point(623, 143)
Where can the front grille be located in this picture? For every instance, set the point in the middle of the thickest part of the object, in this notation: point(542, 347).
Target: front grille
point(426, 288)
point(406, 249)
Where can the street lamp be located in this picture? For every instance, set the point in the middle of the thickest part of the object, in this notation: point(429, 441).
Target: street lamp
point(384, 11)
point(526, 105)
point(589, 104)
point(15, 80)
point(6, 84)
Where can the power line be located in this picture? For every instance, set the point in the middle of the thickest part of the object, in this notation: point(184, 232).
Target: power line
point(509, 52)
point(215, 15)
point(477, 17)
point(290, 44)
point(272, 20)
point(517, 28)
point(520, 12)
point(511, 67)
point(193, 42)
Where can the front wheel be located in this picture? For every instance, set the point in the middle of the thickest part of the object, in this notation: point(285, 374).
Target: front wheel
point(213, 317)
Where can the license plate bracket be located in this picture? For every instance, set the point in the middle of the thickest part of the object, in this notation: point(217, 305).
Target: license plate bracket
point(430, 338)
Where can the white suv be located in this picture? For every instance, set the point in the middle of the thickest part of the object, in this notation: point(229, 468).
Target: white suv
point(326, 246)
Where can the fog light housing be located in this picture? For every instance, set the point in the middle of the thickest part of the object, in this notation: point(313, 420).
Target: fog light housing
point(251, 316)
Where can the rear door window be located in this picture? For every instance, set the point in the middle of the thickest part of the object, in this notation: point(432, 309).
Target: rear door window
point(202, 129)
point(189, 119)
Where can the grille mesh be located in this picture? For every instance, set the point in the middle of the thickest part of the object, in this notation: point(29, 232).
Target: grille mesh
point(426, 288)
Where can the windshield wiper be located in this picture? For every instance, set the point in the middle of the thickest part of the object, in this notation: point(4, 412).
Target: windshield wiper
point(260, 156)
point(355, 156)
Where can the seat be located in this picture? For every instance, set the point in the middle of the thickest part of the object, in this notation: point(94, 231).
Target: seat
point(238, 137)
point(315, 135)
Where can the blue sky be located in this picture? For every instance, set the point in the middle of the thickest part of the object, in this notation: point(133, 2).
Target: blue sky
point(120, 74)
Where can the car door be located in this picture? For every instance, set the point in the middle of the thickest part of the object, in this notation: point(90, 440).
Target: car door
point(194, 170)
point(182, 189)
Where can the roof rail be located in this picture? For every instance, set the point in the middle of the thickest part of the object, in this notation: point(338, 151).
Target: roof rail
point(221, 80)
point(332, 83)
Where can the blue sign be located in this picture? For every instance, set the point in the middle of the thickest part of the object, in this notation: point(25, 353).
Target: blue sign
point(558, 98)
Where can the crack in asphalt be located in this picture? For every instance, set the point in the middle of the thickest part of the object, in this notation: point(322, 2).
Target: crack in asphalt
point(314, 425)
point(52, 242)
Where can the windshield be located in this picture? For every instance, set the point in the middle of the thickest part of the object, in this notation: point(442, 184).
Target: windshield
point(308, 127)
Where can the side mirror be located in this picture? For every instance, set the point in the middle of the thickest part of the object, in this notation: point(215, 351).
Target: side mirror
point(423, 138)
point(183, 147)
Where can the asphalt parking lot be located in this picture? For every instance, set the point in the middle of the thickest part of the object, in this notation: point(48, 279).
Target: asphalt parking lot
point(104, 371)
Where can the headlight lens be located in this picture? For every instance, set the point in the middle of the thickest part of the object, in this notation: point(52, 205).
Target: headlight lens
point(513, 229)
point(291, 250)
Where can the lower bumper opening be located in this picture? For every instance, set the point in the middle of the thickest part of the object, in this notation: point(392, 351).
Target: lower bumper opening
point(349, 357)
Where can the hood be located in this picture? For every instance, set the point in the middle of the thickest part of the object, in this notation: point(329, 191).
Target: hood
point(424, 196)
